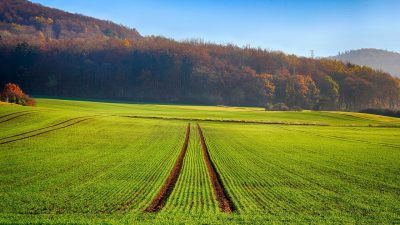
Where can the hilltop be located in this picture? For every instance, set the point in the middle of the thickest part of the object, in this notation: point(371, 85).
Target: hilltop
point(55, 53)
point(375, 58)
point(21, 20)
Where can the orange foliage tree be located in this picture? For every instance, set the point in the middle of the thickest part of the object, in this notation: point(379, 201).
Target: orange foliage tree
point(12, 93)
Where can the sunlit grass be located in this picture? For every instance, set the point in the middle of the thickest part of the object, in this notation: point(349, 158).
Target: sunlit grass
point(84, 162)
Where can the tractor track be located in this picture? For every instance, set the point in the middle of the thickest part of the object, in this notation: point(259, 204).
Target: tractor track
point(14, 113)
point(43, 128)
point(47, 131)
point(160, 199)
point(224, 202)
point(222, 120)
point(15, 117)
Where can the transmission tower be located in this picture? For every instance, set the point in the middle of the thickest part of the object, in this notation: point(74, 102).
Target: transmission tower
point(312, 53)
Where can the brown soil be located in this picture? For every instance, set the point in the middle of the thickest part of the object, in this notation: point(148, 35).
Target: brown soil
point(224, 202)
point(165, 191)
point(229, 121)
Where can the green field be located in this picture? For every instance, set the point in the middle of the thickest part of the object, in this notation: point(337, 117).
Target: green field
point(68, 161)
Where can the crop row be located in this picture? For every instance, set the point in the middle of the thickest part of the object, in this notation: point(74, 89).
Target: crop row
point(96, 167)
point(118, 165)
point(266, 172)
point(193, 192)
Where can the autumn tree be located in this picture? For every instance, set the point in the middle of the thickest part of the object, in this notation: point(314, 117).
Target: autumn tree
point(12, 93)
point(163, 70)
point(302, 91)
point(269, 88)
point(329, 93)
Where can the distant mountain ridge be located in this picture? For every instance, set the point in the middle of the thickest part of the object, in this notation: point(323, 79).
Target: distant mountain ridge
point(375, 58)
point(21, 20)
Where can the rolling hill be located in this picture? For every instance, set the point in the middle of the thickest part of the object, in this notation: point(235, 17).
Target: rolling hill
point(81, 162)
point(125, 129)
point(21, 20)
point(50, 52)
point(374, 58)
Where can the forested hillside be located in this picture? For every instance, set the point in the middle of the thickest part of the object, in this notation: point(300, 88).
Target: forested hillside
point(127, 66)
point(21, 20)
point(375, 58)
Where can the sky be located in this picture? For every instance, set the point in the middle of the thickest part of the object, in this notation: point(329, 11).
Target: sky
point(291, 26)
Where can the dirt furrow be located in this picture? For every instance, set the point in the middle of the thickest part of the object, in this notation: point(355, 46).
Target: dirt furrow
point(228, 121)
point(47, 131)
point(223, 199)
point(166, 190)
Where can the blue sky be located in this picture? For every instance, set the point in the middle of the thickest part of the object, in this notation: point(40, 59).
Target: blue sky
point(326, 26)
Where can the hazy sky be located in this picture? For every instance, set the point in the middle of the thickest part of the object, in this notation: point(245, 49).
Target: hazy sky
point(295, 26)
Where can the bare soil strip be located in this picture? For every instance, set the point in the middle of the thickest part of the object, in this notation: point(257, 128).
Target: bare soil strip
point(15, 117)
point(223, 199)
point(226, 121)
point(43, 128)
point(394, 126)
point(161, 198)
point(47, 131)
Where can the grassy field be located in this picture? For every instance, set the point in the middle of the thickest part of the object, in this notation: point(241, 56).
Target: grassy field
point(70, 161)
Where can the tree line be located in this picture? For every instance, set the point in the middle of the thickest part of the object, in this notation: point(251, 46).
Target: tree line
point(157, 69)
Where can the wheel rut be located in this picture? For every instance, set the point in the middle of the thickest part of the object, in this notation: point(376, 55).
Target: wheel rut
point(43, 132)
point(15, 117)
point(160, 199)
point(12, 114)
point(224, 202)
point(43, 128)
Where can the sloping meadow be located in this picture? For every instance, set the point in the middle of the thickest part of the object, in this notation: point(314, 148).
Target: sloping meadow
point(70, 161)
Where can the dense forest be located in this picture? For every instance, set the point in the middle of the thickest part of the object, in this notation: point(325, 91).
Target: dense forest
point(157, 69)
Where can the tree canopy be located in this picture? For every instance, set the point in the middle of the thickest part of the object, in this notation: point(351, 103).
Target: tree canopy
point(12, 93)
point(163, 70)
point(51, 52)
